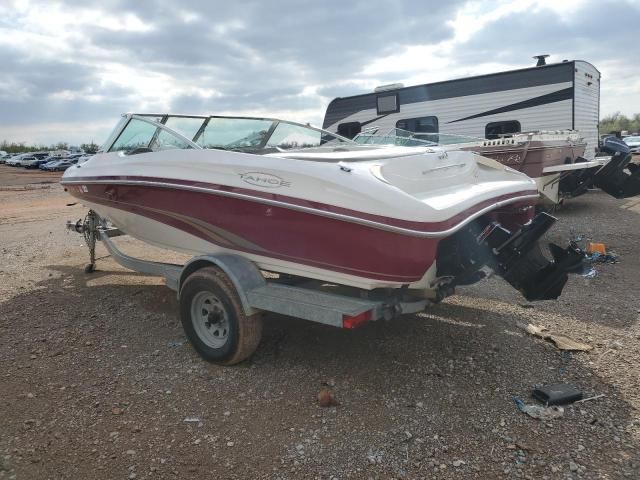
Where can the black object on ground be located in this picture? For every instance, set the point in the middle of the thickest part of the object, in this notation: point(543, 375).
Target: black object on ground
point(560, 394)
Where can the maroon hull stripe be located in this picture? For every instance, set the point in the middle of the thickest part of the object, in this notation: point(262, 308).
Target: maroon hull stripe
point(320, 207)
point(288, 235)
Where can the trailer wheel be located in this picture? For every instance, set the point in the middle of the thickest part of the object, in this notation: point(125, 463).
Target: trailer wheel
point(213, 318)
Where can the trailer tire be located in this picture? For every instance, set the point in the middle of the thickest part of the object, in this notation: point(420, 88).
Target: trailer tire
point(214, 320)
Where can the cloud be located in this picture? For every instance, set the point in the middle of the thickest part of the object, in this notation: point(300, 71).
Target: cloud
point(70, 67)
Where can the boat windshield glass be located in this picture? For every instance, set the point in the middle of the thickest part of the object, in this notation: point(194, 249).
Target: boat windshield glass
point(112, 136)
point(149, 133)
point(264, 135)
point(141, 136)
point(136, 135)
point(397, 136)
point(187, 126)
point(289, 136)
point(235, 133)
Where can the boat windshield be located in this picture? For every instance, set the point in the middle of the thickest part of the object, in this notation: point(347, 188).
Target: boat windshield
point(397, 136)
point(143, 133)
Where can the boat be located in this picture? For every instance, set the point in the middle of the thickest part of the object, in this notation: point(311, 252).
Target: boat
point(306, 203)
point(549, 157)
point(552, 158)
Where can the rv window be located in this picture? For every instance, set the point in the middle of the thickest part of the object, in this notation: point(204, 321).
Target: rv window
point(388, 104)
point(500, 129)
point(419, 124)
point(349, 129)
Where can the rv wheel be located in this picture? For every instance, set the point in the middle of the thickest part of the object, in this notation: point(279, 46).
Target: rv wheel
point(213, 318)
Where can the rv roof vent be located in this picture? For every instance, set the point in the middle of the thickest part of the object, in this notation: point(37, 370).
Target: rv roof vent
point(541, 60)
point(390, 86)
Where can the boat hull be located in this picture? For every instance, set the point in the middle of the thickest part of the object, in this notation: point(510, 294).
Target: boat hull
point(366, 251)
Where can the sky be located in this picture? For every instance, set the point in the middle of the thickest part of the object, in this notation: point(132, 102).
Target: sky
point(71, 67)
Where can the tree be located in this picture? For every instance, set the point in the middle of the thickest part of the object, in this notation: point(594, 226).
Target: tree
point(90, 147)
point(617, 122)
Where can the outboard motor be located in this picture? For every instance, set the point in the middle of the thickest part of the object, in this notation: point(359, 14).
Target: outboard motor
point(612, 178)
point(518, 259)
point(515, 256)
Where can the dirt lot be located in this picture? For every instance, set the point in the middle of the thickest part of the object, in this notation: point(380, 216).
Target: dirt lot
point(98, 381)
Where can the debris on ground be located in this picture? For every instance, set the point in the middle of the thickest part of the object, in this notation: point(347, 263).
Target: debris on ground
point(559, 394)
point(588, 399)
point(597, 257)
point(327, 398)
point(561, 342)
point(538, 411)
point(594, 252)
point(593, 247)
point(518, 446)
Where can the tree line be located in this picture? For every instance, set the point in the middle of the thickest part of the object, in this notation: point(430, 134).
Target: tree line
point(618, 122)
point(23, 147)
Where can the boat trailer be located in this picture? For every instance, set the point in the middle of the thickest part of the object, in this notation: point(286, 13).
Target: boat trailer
point(223, 296)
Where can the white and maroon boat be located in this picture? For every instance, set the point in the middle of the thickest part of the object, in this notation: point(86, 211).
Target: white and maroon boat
point(304, 202)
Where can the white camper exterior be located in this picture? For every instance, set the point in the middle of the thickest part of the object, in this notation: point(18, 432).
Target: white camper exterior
point(560, 96)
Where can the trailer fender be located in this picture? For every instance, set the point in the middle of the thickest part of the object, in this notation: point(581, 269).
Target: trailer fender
point(243, 273)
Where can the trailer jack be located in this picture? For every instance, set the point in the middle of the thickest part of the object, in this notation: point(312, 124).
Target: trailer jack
point(88, 227)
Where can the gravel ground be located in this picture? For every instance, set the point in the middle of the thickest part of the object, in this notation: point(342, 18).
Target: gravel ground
point(98, 381)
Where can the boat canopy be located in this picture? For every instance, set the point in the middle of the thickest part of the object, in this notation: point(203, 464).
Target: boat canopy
point(139, 133)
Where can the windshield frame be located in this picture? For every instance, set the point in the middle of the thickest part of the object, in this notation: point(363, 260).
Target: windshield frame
point(193, 142)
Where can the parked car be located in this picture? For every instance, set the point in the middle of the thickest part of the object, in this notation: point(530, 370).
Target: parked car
point(30, 162)
point(66, 163)
point(634, 143)
point(51, 164)
point(24, 161)
point(50, 161)
point(3, 156)
point(17, 160)
point(59, 165)
point(36, 162)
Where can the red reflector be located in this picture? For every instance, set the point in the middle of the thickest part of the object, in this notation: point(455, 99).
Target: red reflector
point(354, 321)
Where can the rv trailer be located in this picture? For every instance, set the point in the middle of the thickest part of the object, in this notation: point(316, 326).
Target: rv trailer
point(559, 96)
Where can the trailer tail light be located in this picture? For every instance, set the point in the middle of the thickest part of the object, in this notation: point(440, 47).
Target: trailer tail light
point(355, 321)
